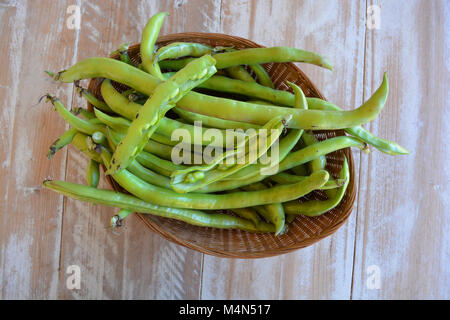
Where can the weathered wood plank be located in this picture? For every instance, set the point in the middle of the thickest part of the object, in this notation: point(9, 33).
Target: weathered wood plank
point(30, 225)
point(335, 30)
point(403, 220)
point(137, 263)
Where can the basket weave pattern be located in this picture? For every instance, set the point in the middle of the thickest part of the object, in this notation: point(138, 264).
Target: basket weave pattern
point(304, 231)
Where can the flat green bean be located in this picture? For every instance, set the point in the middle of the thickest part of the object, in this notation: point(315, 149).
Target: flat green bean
point(164, 197)
point(262, 75)
point(61, 142)
point(226, 108)
point(131, 203)
point(165, 96)
point(149, 37)
point(317, 207)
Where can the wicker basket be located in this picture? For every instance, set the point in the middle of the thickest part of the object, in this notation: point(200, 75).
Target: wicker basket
point(304, 231)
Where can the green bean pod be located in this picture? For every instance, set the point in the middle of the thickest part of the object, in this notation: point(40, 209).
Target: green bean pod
point(176, 50)
point(247, 214)
point(314, 208)
point(273, 213)
point(226, 108)
point(61, 142)
point(383, 145)
point(125, 201)
point(164, 98)
point(164, 197)
point(262, 75)
point(252, 56)
point(292, 160)
point(93, 173)
point(149, 37)
point(92, 99)
point(167, 126)
point(178, 178)
point(213, 122)
point(239, 73)
point(286, 178)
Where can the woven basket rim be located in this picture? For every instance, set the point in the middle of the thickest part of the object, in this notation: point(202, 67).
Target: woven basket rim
point(329, 230)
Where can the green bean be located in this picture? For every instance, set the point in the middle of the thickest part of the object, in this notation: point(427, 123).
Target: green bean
point(149, 36)
point(87, 115)
point(148, 160)
point(88, 127)
point(301, 170)
point(159, 165)
point(266, 55)
point(167, 126)
point(285, 146)
point(176, 50)
point(266, 103)
point(164, 98)
point(93, 173)
point(177, 64)
point(128, 202)
point(92, 99)
point(159, 149)
point(320, 162)
point(286, 178)
point(262, 75)
point(149, 176)
point(212, 121)
point(247, 214)
point(116, 123)
point(273, 213)
point(61, 142)
point(317, 207)
point(274, 129)
point(385, 146)
point(292, 160)
point(226, 108)
point(122, 51)
point(164, 197)
point(80, 142)
point(252, 56)
point(239, 73)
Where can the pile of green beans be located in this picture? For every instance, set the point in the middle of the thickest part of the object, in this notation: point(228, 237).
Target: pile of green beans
point(137, 135)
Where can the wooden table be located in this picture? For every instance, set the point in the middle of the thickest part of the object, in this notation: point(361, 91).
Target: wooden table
point(396, 242)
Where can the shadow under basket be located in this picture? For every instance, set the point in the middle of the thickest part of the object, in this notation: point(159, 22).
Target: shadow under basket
point(303, 231)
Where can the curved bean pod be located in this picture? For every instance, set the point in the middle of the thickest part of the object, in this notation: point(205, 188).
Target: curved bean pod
point(260, 56)
point(314, 208)
point(226, 108)
point(164, 197)
point(61, 142)
point(92, 99)
point(262, 75)
point(176, 50)
point(292, 160)
point(149, 36)
point(239, 73)
point(128, 202)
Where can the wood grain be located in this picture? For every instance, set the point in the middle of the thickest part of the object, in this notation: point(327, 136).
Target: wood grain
point(400, 224)
point(325, 269)
point(31, 217)
point(403, 223)
point(149, 267)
